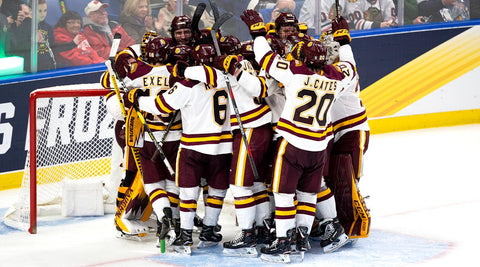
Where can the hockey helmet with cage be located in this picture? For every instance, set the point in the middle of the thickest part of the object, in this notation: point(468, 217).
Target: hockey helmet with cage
point(285, 19)
point(313, 54)
point(182, 52)
point(157, 50)
point(180, 22)
point(276, 45)
point(229, 45)
point(204, 54)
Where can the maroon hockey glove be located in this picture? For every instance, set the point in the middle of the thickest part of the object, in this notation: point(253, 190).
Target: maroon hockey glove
point(254, 23)
point(122, 64)
point(131, 97)
point(228, 63)
point(340, 31)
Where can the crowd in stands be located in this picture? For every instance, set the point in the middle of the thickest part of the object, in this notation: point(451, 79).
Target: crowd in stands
point(81, 32)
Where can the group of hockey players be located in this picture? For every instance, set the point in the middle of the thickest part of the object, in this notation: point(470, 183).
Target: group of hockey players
point(277, 120)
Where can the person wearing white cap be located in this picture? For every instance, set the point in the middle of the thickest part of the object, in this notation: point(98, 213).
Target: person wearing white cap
point(99, 31)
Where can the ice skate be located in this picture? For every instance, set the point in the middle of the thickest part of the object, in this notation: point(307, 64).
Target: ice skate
point(130, 229)
point(208, 237)
point(183, 244)
point(166, 228)
point(280, 249)
point(242, 245)
point(333, 236)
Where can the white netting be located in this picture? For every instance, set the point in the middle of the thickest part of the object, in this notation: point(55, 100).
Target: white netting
point(74, 139)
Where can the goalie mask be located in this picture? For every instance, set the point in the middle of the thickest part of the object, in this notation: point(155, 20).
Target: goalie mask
point(314, 54)
point(157, 50)
point(229, 45)
point(182, 52)
point(332, 48)
point(204, 54)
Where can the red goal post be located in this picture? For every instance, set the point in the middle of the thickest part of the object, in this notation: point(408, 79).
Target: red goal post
point(71, 137)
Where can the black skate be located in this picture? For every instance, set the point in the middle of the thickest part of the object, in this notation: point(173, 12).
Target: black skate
point(266, 233)
point(198, 222)
point(333, 235)
point(242, 245)
point(166, 228)
point(280, 249)
point(302, 243)
point(208, 237)
point(184, 242)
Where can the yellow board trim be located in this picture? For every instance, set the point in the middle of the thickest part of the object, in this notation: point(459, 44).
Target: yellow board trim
point(423, 75)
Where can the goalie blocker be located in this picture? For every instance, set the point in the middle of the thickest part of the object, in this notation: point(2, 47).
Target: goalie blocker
point(351, 209)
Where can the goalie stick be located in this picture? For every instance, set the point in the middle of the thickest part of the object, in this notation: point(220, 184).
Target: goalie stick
point(216, 26)
point(140, 115)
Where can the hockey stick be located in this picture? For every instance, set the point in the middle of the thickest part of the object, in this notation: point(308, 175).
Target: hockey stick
point(140, 115)
point(213, 6)
point(215, 28)
point(196, 17)
point(337, 5)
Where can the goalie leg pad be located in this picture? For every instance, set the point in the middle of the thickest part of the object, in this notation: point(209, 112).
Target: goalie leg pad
point(351, 209)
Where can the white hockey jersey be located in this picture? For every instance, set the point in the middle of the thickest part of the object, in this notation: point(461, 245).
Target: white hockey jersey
point(306, 121)
point(205, 113)
point(155, 79)
point(355, 12)
point(327, 13)
point(244, 90)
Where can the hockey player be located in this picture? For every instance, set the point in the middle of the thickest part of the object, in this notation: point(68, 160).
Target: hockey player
point(205, 149)
point(305, 128)
point(248, 190)
point(151, 77)
point(181, 30)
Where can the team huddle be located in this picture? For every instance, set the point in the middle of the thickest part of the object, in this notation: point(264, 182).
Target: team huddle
point(277, 120)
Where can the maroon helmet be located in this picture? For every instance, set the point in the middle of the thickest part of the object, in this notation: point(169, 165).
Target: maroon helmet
point(156, 50)
point(229, 45)
point(297, 37)
point(182, 52)
point(204, 54)
point(246, 51)
point(276, 45)
point(180, 22)
point(314, 54)
point(285, 19)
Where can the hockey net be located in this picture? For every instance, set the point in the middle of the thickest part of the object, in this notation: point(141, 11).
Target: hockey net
point(71, 137)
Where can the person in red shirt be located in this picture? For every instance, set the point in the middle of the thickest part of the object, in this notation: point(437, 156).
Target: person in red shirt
point(71, 46)
point(99, 31)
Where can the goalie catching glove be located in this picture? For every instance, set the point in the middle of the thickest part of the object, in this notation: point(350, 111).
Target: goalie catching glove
point(340, 31)
point(254, 23)
point(131, 97)
point(229, 63)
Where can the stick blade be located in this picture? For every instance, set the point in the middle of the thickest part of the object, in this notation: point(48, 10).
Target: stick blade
point(224, 17)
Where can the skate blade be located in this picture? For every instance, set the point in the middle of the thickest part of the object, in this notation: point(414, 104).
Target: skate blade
point(342, 240)
point(184, 250)
point(132, 237)
point(276, 258)
point(206, 244)
point(250, 252)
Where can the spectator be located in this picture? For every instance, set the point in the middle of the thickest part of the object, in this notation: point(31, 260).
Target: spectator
point(71, 46)
point(443, 10)
point(99, 31)
point(136, 18)
point(21, 38)
point(369, 14)
point(269, 15)
point(327, 13)
point(4, 40)
point(168, 12)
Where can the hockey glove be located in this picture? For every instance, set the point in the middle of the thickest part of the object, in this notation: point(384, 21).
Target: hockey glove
point(229, 63)
point(254, 23)
point(179, 69)
point(340, 31)
point(131, 97)
point(122, 64)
